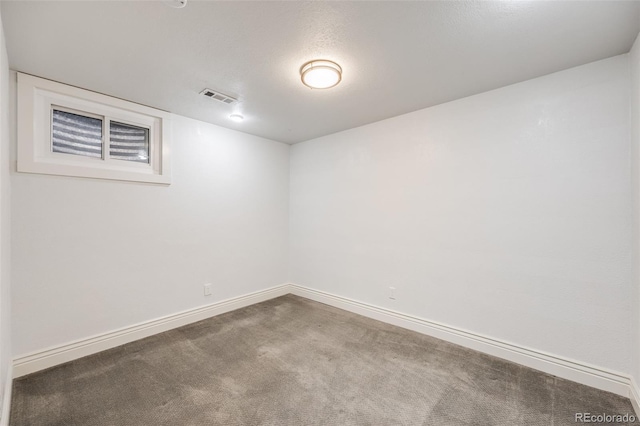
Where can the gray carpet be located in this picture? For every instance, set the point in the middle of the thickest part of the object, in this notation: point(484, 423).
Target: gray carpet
point(292, 361)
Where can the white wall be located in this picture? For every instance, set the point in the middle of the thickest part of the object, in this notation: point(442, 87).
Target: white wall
point(91, 256)
point(634, 59)
point(5, 238)
point(506, 214)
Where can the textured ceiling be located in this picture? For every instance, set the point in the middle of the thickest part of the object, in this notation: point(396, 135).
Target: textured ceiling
point(397, 57)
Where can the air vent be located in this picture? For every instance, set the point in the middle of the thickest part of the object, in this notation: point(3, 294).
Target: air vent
point(220, 97)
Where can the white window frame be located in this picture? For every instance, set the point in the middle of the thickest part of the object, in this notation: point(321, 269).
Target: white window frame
point(38, 97)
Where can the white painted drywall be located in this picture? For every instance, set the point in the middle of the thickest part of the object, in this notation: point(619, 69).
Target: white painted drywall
point(91, 256)
point(5, 235)
point(634, 61)
point(506, 214)
point(397, 56)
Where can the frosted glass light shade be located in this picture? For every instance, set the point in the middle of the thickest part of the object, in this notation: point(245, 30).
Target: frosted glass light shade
point(320, 74)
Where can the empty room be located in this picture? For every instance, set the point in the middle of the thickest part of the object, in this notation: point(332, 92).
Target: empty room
point(319, 213)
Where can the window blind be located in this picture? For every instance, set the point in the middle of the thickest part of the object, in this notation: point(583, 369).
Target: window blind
point(76, 134)
point(130, 143)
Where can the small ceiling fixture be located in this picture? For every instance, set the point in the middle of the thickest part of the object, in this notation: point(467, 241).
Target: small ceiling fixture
point(236, 117)
point(176, 4)
point(320, 74)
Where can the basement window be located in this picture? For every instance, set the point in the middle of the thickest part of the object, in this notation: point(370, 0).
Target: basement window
point(64, 130)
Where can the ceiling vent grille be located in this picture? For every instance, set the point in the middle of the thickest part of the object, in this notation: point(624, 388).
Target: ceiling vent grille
point(217, 96)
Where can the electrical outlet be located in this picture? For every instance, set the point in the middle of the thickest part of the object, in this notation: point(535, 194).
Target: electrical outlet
point(392, 293)
point(207, 290)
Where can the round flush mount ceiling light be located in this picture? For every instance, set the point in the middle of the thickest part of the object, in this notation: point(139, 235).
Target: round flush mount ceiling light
point(236, 117)
point(320, 74)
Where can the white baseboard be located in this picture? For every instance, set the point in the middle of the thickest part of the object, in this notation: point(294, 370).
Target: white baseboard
point(579, 372)
point(589, 375)
point(50, 357)
point(634, 396)
point(6, 399)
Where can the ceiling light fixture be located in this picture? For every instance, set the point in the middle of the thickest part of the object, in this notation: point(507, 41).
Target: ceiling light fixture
point(320, 74)
point(236, 117)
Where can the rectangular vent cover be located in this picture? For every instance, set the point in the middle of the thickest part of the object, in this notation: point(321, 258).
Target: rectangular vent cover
point(220, 97)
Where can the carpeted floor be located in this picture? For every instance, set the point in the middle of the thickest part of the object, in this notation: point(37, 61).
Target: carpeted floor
point(292, 361)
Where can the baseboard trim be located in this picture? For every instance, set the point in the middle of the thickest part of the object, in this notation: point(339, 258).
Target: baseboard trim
point(6, 399)
point(552, 364)
point(579, 372)
point(634, 396)
point(50, 357)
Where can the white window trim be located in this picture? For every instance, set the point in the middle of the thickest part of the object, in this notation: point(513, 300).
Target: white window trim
point(37, 96)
